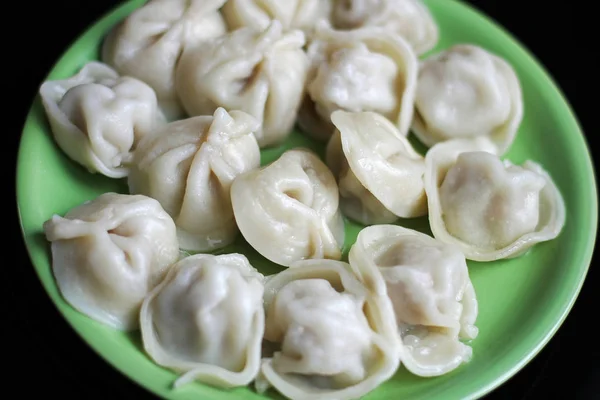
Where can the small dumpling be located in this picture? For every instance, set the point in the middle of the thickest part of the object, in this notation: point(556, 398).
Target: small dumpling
point(149, 42)
point(366, 69)
point(379, 174)
point(108, 253)
point(466, 92)
point(488, 207)
point(332, 339)
point(288, 210)
point(261, 72)
point(432, 295)
point(97, 117)
point(206, 320)
point(189, 165)
point(411, 19)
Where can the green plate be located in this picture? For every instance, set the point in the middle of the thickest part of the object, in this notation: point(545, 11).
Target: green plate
point(522, 301)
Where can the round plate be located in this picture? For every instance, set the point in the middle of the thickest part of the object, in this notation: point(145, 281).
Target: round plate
point(522, 301)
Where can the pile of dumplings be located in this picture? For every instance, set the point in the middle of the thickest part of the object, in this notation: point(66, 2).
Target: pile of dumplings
point(187, 95)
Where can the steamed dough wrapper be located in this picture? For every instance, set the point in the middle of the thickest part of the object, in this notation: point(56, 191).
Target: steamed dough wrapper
point(288, 210)
point(467, 92)
point(108, 253)
point(333, 338)
point(97, 117)
point(189, 165)
point(150, 41)
point(367, 69)
point(488, 207)
point(410, 19)
point(432, 295)
point(379, 174)
point(261, 72)
point(206, 320)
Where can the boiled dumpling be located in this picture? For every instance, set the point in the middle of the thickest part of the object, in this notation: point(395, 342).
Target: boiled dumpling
point(206, 320)
point(261, 72)
point(489, 208)
point(432, 295)
point(288, 210)
point(380, 175)
point(108, 253)
point(410, 19)
point(367, 69)
point(98, 117)
point(466, 92)
point(189, 165)
point(149, 43)
point(332, 338)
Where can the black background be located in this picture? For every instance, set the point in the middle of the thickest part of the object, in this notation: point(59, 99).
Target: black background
point(44, 351)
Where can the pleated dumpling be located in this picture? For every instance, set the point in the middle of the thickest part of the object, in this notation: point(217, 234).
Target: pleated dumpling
point(149, 43)
point(379, 174)
point(411, 19)
point(367, 69)
point(97, 117)
point(330, 337)
point(465, 92)
point(259, 71)
point(108, 253)
point(488, 207)
point(206, 320)
point(432, 295)
point(189, 165)
point(288, 210)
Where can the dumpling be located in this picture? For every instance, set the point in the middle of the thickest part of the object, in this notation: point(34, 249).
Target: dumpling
point(108, 253)
point(488, 207)
point(465, 92)
point(332, 339)
point(432, 295)
point(367, 69)
point(149, 43)
point(261, 72)
point(288, 210)
point(411, 19)
point(189, 165)
point(206, 320)
point(97, 117)
point(380, 175)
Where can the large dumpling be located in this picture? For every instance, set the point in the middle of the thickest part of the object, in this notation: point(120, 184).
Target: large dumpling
point(149, 43)
point(366, 69)
point(410, 19)
point(488, 207)
point(206, 320)
point(108, 253)
point(432, 295)
point(379, 174)
point(288, 210)
point(261, 72)
point(189, 165)
point(332, 339)
point(97, 117)
point(467, 92)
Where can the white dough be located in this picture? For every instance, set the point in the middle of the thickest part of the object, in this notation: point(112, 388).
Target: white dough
point(288, 210)
point(380, 175)
point(465, 92)
point(150, 41)
point(488, 207)
point(108, 253)
point(189, 165)
point(97, 117)
point(261, 72)
point(206, 320)
point(432, 295)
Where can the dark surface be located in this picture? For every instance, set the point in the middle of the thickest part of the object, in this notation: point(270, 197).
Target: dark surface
point(45, 351)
